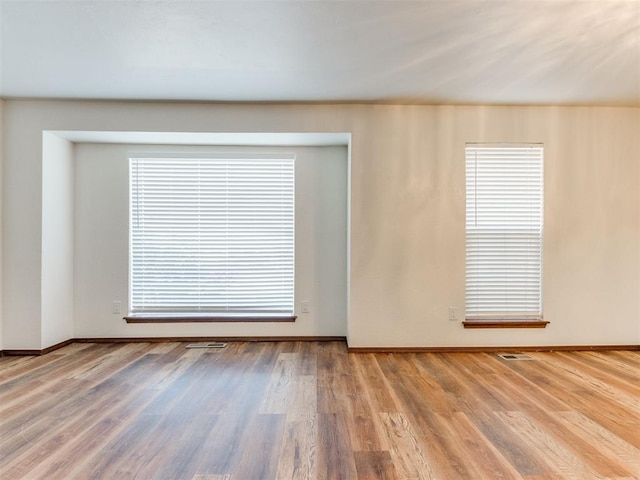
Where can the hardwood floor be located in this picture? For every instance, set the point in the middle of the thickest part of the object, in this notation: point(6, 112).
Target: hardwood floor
point(292, 410)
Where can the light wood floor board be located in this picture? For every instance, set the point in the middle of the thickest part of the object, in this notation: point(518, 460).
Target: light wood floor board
point(312, 411)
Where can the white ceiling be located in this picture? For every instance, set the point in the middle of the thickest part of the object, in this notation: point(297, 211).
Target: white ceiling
point(428, 51)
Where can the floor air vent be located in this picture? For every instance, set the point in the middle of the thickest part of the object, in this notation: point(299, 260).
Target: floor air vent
point(207, 345)
point(514, 356)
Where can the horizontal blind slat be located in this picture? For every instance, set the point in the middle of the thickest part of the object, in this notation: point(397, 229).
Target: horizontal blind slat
point(212, 235)
point(504, 221)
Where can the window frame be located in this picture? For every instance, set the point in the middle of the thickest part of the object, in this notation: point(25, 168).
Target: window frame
point(522, 224)
point(142, 316)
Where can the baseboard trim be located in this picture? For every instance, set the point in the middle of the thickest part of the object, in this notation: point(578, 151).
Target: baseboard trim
point(23, 352)
point(57, 346)
point(37, 353)
point(209, 339)
point(508, 348)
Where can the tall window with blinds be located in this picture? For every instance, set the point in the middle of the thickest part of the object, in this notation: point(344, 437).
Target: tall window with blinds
point(212, 236)
point(504, 228)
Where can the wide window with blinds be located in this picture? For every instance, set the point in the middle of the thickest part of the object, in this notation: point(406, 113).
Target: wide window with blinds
point(504, 227)
point(212, 236)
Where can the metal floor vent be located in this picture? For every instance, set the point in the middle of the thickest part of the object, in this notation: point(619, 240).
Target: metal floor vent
point(514, 356)
point(207, 345)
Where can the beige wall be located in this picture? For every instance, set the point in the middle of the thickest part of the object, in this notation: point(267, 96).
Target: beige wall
point(408, 227)
point(406, 263)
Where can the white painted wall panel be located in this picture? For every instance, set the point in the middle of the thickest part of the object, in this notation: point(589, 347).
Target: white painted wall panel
point(21, 230)
point(57, 240)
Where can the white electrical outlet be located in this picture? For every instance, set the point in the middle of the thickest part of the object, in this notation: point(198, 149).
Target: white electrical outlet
point(305, 306)
point(453, 314)
point(116, 307)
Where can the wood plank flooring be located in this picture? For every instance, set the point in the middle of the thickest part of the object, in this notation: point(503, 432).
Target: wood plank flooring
point(304, 410)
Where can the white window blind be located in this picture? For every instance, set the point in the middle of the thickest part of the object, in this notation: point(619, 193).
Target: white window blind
point(212, 235)
point(504, 226)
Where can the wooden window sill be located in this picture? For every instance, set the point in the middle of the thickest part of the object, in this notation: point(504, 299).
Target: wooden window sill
point(208, 318)
point(505, 323)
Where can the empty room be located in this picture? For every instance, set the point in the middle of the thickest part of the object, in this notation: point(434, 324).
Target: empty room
point(323, 240)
